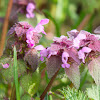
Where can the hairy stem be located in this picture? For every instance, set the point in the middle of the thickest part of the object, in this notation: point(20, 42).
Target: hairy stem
point(84, 22)
point(5, 27)
point(49, 86)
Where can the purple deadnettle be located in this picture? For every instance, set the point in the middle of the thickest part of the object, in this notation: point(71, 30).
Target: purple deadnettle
point(31, 43)
point(30, 8)
point(73, 49)
point(81, 53)
point(60, 48)
point(26, 36)
point(65, 56)
point(76, 41)
point(32, 33)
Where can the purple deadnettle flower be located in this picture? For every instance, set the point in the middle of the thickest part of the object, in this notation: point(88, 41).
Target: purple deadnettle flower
point(73, 49)
point(32, 33)
point(72, 34)
point(65, 56)
point(39, 28)
point(82, 52)
point(26, 35)
point(5, 65)
point(43, 54)
point(76, 41)
point(31, 43)
point(39, 47)
point(60, 48)
point(30, 8)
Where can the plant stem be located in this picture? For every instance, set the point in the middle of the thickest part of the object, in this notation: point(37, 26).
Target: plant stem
point(13, 93)
point(84, 22)
point(5, 27)
point(48, 86)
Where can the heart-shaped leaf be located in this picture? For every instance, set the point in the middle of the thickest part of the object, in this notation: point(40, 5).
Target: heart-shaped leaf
point(94, 69)
point(73, 74)
point(30, 83)
point(32, 59)
point(53, 64)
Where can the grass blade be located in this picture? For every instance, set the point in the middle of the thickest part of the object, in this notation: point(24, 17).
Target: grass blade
point(16, 75)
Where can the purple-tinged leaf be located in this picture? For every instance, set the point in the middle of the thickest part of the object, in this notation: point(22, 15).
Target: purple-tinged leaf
point(74, 74)
point(97, 30)
point(11, 31)
point(32, 59)
point(94, 69)
point(53, 65)
point(95, 46)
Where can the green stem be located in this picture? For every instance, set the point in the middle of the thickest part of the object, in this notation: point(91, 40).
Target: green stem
point(13, 93)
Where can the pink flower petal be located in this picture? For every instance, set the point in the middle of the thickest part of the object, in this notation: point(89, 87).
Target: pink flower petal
point(41, 58)
point(81, 55)
point(31, 43)
point(27, 15)
point(76, 43)
point(65, 65)
point(52, 53)
point(86, 49)
point(44, 21)
point(29, 33)
point(30, 8)
point(65, 56)
point(39, 28)
point(43, 53)
point(5, 65)
point(81, 36)
point(39, 47)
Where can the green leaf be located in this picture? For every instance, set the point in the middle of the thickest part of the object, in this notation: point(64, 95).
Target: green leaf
point(30, 83)
point(94, 92)
point(16, 74)
point(73, 74)
point(21, 67)
point(26, 97)
point(73, 94)
point(94, 69)
point(3, 90)
point(8, 73)
point(53, 64)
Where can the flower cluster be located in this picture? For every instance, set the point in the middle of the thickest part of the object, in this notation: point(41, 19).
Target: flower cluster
point(28, 34)
point(75, 48)
point(25, 37)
